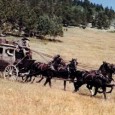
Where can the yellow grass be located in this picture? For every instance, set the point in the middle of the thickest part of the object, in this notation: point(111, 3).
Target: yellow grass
point(90, 47)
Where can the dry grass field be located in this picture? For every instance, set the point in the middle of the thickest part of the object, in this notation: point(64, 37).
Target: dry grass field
point(90, 47)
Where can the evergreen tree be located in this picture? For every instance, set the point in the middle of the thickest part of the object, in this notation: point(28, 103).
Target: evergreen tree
point(30, 15)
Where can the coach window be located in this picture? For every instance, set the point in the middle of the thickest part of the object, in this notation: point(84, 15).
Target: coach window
point(10, 52)
point(1, 50)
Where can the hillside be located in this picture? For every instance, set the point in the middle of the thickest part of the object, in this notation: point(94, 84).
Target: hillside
point(90, 47)
point(38, 17)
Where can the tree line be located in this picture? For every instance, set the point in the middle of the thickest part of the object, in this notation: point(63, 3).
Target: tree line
point(47, 17)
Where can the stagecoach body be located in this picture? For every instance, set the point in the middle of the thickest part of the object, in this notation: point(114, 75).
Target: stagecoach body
point(7, 55)
point(7, 59)
point(13, 63)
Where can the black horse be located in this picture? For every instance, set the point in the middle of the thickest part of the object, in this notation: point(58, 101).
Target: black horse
point(24, 67)
point(92, 80)
point(66, 73)
point(107, 70)
point(37, 69)
point(98, 79)
point(41, 69)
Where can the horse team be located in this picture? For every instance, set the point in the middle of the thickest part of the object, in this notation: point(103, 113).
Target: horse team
point(99, 79)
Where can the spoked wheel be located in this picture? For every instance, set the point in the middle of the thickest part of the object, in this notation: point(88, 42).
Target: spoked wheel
point(11, 72)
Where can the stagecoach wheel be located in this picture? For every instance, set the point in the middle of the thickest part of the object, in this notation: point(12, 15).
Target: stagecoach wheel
point(11, 72)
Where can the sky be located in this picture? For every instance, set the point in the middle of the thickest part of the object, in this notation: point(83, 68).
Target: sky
point(105, 3)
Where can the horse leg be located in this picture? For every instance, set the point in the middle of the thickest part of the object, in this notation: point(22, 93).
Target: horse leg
point(110, 90)
point(33, 80)
point(50, 82)
point(88, 86)
point(104, 92)
point(22, 78)
point(90, 89)
point(110, 86)
point(47, 80)
point(77, 85)
point(100, 91)
point(96, 90)
point(27, 77)
point(64, 85)
point(40, 80)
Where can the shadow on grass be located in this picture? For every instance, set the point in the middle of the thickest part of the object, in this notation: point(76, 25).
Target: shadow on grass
point(48, 39)
point(88, 95)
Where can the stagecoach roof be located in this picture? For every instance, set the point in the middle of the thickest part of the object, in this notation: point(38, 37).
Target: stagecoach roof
point(8, 45)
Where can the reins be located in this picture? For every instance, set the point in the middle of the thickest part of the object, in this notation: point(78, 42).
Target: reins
point(42, 55)
point(21, 60)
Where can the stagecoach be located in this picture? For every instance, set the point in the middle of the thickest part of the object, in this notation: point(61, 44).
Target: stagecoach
point(9, 63)
point(7, 60)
